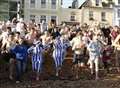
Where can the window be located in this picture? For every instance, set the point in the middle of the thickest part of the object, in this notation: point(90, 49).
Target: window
point(103, 16)
point(53, 4)
point(43, 3)
point(91, 15)
point(43, 18)
point(118, 1)
point(32, 3)
point(32, 17)
point(72, 18)
point(54, 18)
point(97, 2)
point(61, 2)
point(119, 22)
point(118, 12)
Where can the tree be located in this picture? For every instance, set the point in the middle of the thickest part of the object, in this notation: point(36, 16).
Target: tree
point(2, 1)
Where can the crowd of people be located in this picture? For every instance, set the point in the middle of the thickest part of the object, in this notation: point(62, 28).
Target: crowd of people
point(20, 41)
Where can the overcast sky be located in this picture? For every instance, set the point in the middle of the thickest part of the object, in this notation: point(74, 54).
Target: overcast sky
point(67, 3)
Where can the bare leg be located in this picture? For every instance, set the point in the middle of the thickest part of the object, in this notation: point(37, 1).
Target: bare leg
point(91, 67)
point(11, 67)
point(77, 71)
point(37, 76)
point(97, 68)
point(117, 56)
point(38, 71)
point(57, 71)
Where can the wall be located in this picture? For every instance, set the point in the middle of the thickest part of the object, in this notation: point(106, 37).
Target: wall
point(66, 15)
point(38, 11)
point(116, 18)
point(97, 15)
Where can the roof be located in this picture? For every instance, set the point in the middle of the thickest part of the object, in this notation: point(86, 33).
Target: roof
point(85, 4)
point(88, 3)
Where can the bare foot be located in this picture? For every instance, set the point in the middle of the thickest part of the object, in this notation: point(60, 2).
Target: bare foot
point(92, 72)
point(57, 74)
point(37, 79)
point(77, 77)
point(118, 70)
point(11, 77)
point(97, 78)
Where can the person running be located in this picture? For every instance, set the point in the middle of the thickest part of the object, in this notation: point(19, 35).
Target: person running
point(31, 36)
point(20, 51)
point(106, 57)
point(4, 35)
point(65, 45)
point(8, 54)
point(78, 49)
point(17, 37)
point(44, 27)
point(94, 49)
point(46, 38)
point(116, 44)
point(36, 52)
point(114, 33)
point(20, 27)
point(58, 54)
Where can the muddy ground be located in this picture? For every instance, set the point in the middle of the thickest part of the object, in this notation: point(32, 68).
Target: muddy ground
point(48, 80)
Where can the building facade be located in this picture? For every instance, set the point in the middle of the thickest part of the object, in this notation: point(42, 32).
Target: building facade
point(117, 13)
point(90, 11)
point(70, 15)
point(94, 11)
point(42, 10)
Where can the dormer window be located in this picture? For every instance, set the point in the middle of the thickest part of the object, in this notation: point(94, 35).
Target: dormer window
point(97, 2)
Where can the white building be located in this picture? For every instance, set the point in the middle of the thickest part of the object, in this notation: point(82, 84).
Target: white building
point(42, 10)
point(98, 10)
point(71, 16)
point(93, 11)
point(117, 13)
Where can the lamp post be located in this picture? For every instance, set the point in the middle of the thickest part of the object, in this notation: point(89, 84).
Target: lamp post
point(18, 10)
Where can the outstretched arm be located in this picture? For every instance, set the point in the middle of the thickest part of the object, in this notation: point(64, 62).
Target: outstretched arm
point(30, 50)
point(115, 43)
